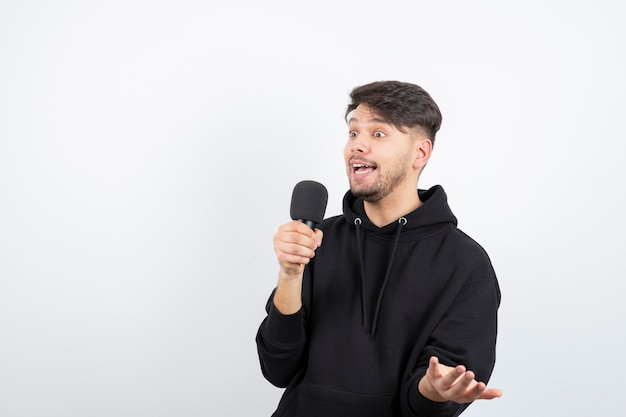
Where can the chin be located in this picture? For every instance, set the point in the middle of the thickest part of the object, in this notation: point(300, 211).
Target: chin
point(371, 196)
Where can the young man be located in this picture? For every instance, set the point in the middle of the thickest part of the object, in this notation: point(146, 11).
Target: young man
point(388, 309)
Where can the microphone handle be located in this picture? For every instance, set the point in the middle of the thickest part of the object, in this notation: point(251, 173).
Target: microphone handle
point(309, 223)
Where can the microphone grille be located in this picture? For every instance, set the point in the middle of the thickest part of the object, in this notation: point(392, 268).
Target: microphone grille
point(308, 201)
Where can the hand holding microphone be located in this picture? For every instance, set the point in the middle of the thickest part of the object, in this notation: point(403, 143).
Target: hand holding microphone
point(296, 241)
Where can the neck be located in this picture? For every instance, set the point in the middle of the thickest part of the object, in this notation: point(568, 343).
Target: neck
point(391, 208)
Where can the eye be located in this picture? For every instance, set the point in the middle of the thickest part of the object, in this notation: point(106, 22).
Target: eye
point(352, 133)
point(379, 134)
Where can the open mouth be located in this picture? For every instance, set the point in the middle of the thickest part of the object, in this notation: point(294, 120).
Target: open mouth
point(361, 169)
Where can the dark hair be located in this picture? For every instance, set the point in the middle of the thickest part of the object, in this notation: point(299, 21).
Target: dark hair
point(402, 105)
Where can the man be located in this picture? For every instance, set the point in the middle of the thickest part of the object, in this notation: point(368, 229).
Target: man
point(388, 309)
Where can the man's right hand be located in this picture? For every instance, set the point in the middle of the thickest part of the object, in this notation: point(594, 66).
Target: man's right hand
point(295, 244)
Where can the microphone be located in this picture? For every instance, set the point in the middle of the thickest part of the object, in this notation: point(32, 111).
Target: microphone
point(308, 203)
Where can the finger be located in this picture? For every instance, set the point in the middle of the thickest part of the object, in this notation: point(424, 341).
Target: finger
point(299, 227)
point(434, 366)
point(463, 387)
point(294, 244)
point(296, 238)
point(293, 252)
point(490, 394)
point(319, 235)
point(293, 262)
point(434, 372)
point(433, 361)
point(471, 389)
point(438, 372)
point(476, 390)
point(289, 236)
point(453, 376)
point(442, 377)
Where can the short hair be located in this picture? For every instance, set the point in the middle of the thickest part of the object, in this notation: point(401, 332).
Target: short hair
point(403, 105)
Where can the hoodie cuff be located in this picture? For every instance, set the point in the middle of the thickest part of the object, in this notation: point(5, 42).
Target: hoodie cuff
point(423, 405)
point(285, 328)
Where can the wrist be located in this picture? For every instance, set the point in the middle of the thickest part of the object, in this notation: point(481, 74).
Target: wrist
point(428, 391)
point(288, 295)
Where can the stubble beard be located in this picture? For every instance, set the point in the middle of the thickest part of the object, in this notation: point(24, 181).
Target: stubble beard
point(383, 186)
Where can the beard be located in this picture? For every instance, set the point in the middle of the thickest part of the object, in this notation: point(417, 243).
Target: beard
point(384, 184)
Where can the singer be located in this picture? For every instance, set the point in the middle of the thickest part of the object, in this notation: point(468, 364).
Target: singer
point(388, 309)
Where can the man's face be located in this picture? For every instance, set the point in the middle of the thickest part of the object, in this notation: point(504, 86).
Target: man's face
point(378, 156)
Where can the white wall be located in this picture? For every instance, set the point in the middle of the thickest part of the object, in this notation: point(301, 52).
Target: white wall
point(148, 150)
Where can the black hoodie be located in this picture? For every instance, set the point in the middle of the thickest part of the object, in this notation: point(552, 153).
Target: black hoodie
point(377, 304)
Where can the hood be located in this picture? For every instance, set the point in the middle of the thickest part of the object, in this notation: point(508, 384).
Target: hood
point(433, 214)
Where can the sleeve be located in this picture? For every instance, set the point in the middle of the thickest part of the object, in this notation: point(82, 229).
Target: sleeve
point(281, 342)
point(465, 335)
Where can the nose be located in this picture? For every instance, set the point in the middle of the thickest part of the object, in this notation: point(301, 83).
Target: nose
point(358, 144)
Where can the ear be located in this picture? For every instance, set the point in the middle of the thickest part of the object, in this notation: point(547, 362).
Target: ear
point(423, 150)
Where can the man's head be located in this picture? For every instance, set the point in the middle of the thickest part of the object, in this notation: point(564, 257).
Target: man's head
point(403, 105)
point(391, 129)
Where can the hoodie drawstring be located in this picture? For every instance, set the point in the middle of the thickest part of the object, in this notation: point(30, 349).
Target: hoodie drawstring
point(401, 222)
point(357, 223)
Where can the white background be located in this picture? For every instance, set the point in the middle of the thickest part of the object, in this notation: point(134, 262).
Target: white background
point(148, 150)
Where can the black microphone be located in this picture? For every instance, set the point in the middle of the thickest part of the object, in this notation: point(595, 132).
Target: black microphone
point(308, 203)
